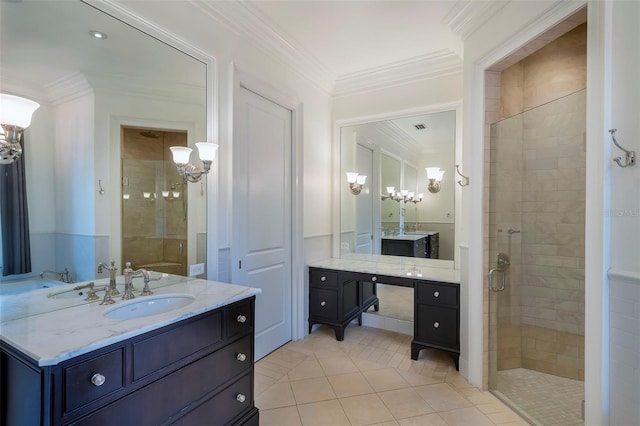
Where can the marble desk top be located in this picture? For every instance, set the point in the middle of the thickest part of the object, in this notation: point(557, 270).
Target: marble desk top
point(404, 237)
point(395, 266)
point(50, 337)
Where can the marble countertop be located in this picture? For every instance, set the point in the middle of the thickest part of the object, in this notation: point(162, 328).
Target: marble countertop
point(404, 237)
point(395, 266)
point(50, 336)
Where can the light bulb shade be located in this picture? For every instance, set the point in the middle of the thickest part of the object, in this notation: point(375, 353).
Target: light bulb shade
point(176, 194)
point(434, 173)
point(352, 177)
point(411, 194)
point(165, 194)
point(420, 197)
point(16, 111)
point(181, 154)
point(440, 175)
point(146, 194)
point(207, 150)
point(361, 179)
point(390, 190)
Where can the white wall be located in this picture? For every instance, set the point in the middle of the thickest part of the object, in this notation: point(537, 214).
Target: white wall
point(624, 215)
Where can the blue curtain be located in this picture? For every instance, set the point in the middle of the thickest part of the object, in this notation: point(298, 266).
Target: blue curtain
point(16, 247)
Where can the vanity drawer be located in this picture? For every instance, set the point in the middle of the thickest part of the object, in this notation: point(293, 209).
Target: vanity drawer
point(437, 325)
point(238, 319)
point(323, 304)
point(92, 379)
point(224, 407)
point(320, 277)
point(437, 294)
point(177, 343)
point(175, 393)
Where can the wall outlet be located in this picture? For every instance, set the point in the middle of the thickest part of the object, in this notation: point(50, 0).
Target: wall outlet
point(196, 269)
point(344, 246)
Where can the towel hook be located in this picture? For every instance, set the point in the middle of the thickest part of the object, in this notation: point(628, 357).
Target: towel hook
point(100, 186)
point(630, 156)
point(466, 179)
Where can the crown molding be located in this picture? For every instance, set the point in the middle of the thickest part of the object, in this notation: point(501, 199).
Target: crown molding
point(67, 88)
point(246, 20)
point(466, 16)
point(432, 65)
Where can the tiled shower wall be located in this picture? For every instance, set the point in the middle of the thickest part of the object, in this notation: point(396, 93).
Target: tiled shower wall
point(536, 177)
point(154, 229)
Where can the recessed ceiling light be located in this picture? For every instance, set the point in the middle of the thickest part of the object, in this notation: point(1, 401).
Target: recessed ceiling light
point(98, 34)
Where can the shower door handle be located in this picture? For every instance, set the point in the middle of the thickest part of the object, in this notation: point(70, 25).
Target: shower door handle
point(503, 265)
point(503, 285)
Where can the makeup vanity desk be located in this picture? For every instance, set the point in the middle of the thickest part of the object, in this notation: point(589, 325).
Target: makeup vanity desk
point(341, 289)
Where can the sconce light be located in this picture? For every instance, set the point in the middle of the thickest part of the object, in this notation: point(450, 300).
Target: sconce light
point(151, 196)
point(355, 182)
point(15, 116)
point(434, 174)
point(390, 193)
point(191, 172)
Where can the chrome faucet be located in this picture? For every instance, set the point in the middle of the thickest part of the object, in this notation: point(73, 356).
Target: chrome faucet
point(129, 274)
point(112, 268)
point(62, 276)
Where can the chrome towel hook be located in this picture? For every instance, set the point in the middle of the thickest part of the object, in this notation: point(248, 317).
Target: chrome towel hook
point(630, 156)
point(466, 179)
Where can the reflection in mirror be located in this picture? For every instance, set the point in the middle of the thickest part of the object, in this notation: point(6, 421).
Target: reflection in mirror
point(409, 224)
point(79, 179)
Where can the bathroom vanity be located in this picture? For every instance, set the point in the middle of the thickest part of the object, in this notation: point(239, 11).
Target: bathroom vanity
point(341, 290)
point(422, 245)
point(190, 365)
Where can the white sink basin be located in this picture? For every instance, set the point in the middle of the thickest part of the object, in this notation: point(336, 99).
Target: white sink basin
point(148, 305)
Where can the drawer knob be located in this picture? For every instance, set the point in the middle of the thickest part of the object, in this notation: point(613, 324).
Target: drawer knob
point(436, 294)
point(374, 279)
point(323, 303)
point(241, 357)
point(323, 278)
point(98, 379)
point(241, 319)
point(241, 398)
point(436, 324)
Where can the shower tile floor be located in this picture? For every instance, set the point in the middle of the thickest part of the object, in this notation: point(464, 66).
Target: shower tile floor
point(543, 399)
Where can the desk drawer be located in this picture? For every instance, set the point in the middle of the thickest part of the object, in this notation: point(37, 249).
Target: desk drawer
point(437, 294)
point(320, 277)
point(437, 325)
point(323, 304)
point(92, 379)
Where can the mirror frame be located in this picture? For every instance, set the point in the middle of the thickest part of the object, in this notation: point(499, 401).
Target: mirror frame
point(339, 124)
point(212, 123)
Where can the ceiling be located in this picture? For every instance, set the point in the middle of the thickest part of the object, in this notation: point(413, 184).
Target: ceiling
point(349, 37)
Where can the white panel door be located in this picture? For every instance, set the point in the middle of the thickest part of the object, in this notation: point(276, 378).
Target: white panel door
point(364, 202)
point(262, 214)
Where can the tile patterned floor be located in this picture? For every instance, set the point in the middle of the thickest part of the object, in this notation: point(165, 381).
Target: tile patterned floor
point(544, 398)
point(369, 378)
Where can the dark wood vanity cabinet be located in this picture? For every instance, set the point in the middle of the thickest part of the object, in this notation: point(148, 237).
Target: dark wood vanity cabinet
point(196, 371)
point(425, 247)
point(336, 298)
point(436, 318)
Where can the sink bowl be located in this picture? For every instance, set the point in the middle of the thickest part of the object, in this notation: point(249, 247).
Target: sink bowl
point(148, 305)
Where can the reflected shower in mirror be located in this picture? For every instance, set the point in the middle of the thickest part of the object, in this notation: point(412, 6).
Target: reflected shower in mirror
point(89, 192)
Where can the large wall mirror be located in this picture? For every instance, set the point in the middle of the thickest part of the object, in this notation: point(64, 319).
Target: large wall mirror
point(394, 216)
point(101, 184)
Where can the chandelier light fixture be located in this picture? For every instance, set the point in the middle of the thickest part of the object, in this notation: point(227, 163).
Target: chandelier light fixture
point(15, 116)
point(191, 172)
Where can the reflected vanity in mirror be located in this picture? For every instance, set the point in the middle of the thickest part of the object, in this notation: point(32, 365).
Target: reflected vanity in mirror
point(101, 183)
point(402, 215)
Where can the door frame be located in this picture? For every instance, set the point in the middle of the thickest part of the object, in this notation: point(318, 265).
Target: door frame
point(245, 80)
